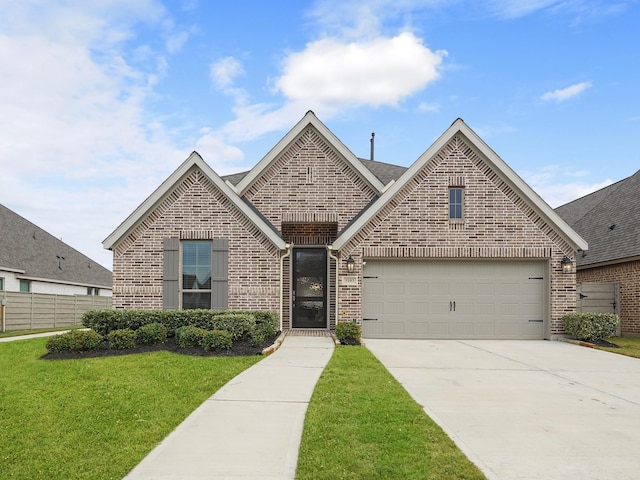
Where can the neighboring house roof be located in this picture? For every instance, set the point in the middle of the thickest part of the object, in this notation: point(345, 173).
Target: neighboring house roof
point(609, 219)
point(498, 165)
point(194, 161)
point(35, 254)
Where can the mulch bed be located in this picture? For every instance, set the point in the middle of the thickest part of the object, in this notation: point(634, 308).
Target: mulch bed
point(239, 348)
point(604, 343)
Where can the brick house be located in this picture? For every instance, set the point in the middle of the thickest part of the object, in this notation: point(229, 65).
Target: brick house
point(455, 246)
point(609, 220)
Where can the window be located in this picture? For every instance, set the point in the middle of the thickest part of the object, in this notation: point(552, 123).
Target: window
point(1, 284)
point(25, 286)
point(93, 291)
point(455, 203)
point(196, 275)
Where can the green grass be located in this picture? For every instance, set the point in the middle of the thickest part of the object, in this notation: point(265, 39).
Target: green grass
point(361, 424)
point(629, 346)
point(96, 418)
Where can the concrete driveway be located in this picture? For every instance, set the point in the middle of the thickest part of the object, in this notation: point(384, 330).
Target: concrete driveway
point(526, 409)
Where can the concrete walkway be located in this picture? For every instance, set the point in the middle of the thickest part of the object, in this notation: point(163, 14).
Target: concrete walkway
point(526, 410)
point(31, 335)
point(251, 427)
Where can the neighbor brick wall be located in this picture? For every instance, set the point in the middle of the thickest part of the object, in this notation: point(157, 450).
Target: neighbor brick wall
point(196, 210)
point(627, 275)
point(497, 224)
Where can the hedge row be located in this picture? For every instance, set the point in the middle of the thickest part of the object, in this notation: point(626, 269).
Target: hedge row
point(252, 325)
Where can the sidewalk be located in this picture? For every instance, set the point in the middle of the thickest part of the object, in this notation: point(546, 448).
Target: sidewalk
point(31, 335)
point(251, 427)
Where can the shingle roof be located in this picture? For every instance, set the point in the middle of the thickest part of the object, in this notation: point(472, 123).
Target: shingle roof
point(384, 171)
point(609, 220)
point(25, 246)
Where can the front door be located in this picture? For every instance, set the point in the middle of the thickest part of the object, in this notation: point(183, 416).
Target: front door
point(309, 288)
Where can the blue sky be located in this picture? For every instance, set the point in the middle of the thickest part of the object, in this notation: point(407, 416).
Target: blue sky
point(100, 101)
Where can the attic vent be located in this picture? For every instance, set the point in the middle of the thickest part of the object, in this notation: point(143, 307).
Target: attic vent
point(611, 227)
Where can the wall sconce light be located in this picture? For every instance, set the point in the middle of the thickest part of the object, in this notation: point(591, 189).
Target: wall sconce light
point(567, 265)
point(351, 264)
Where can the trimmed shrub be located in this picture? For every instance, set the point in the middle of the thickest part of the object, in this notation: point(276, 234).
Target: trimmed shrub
point(348, 332)
point(122, 339)
point(189, 336)
point(591, 327)
point(239, 325)
point(214, 340)
point(75, 341)
point(266, 327)
point(151, 334)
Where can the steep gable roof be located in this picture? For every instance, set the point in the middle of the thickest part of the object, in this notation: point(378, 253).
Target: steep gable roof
point(194, 161)
point(33, 253)
point(497, 164)
point(609, 219)
point(309, 119)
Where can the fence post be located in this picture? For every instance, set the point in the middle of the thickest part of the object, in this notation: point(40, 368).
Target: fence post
point(31, 316)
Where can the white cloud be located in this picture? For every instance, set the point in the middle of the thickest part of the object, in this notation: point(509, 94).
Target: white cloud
point(425, 107)
point(79, 149)
point(223, 158)
point(558, 186)
point(515, 9)
point(563, 94)
point(331, 74)
point(224, 72)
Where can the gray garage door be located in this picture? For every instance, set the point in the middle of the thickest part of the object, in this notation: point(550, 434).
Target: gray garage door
point(454, 299)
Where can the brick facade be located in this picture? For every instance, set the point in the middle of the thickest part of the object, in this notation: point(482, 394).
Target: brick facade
point(309, 192)
point(195, 210)
point(497, 224)
point(627, 275)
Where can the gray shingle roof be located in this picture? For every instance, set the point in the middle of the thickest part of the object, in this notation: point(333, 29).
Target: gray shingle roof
point(25, 246)
point(609, 220)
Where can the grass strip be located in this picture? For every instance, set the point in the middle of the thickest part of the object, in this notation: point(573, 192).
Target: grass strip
point(629, 346)
point(97, 418)
point(361, 423)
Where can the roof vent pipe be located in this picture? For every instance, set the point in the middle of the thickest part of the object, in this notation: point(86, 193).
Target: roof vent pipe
point(373, 136)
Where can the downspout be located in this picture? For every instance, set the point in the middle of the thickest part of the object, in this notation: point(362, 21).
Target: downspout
point(287, 248)
point(329, 250)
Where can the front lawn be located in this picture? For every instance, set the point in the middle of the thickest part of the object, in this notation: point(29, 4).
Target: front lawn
point(629, 346)
point(361, 423)
point(96, 418)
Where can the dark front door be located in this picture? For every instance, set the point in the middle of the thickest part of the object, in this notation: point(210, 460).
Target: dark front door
point(309, 288)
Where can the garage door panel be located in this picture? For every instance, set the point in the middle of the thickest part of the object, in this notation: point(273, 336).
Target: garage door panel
point(418, 308)
point(454, 299)
point(394, 308)
point(440, 288)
